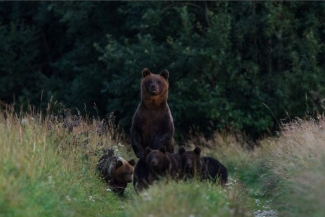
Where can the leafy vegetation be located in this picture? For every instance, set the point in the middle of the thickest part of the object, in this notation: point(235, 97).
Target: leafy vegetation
point(233, 65)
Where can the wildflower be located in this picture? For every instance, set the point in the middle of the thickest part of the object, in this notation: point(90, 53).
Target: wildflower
point(24, 121)
point(146, 196)
point(91, 198)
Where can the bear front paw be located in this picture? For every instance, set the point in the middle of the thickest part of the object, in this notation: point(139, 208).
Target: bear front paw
point(140, 154)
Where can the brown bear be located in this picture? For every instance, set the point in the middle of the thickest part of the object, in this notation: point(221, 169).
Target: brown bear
point(116, 172)
point(214, 170)
point(143, 176)
point(206, 168)
point(155, 165)
point(152, 123)
point(162, 163)
point(191, 164)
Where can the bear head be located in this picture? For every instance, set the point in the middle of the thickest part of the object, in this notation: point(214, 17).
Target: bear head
point(122, 170)
point(154, 86)
point(157, 160)
point(190, 162)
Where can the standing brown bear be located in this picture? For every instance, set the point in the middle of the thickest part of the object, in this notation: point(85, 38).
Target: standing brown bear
point(152, 124)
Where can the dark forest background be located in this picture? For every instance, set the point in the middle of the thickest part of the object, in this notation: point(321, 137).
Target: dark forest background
point(242, 66)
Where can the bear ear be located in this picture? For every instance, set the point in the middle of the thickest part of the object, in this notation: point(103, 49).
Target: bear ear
point(147, 150)
point(145, 72)
point(181, 150)
point(165, 74)
point(197, 151)
point(119, 163)
point(131, 162)
point(163, 149)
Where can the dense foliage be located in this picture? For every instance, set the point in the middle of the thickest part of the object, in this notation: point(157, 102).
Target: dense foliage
point(233, 65)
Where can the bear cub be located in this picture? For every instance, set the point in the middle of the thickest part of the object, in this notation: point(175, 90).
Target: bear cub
point(207, 168)
point(115, 171)
point(156, 165)
point(152, 123)
point(162, 163)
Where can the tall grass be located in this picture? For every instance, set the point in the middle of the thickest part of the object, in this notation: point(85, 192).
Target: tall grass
point(284, 173)
point(189, 199)
point(297, 162)
point(48, 169)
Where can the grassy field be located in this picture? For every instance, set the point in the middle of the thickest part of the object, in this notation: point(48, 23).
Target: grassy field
point(48, 169)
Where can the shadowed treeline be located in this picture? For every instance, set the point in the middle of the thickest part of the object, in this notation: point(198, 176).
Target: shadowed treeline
point(237, 66)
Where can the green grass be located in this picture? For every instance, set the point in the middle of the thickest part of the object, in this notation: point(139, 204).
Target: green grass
point(284, 173)
point(47, 170)
point(187, 199)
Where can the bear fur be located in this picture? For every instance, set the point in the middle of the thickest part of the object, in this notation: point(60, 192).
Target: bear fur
point(215, 170)
point(155, 165)
point(206, 168)
point(143, 176)
point(116, 172)
point(162, 163)
point(191, 164)
point(152, 123)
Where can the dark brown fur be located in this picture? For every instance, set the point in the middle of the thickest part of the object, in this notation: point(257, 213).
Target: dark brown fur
point(116, 172)
point(157, 164)
point(190, 163)
point(152, 124)
point(143, 176)
point(214, 170)
point(163, 163)
point(206, 168)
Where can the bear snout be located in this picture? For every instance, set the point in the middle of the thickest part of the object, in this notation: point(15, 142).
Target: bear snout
point(188, 165)
point(128, 178)
point(153, 163)
point(153, 89)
